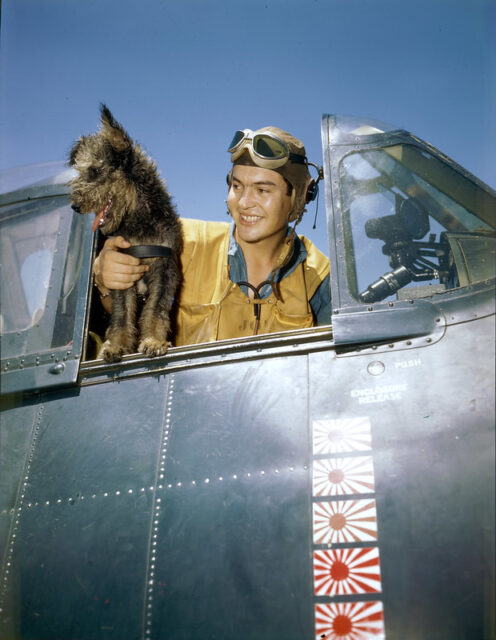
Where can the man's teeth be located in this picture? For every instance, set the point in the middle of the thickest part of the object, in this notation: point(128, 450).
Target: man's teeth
point(250, 218)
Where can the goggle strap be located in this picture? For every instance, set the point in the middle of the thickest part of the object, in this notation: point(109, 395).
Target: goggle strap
point(297, 159)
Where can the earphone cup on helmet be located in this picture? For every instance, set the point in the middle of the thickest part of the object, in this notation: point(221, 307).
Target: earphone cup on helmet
point(228, 178)
point(312, 191)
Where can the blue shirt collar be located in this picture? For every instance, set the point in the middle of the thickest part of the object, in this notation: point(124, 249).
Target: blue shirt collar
point(237, 264)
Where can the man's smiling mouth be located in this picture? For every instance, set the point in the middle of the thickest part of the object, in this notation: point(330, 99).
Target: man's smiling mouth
point(250, 218)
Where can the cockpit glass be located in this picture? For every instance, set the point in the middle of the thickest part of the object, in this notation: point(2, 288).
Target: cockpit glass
point(28, 244)
point(38, 275)
point(413, 225)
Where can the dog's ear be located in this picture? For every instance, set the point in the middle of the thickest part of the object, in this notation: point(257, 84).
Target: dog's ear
point(113, 131)
point(74, 150)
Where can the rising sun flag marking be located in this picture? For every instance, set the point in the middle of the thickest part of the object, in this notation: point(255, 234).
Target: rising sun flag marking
point(343, 476)
point(341, 435)
point(349, 621)
point(346, 571)
point(344, 521)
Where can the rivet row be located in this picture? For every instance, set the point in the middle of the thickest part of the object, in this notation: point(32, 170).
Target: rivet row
point(19, 506)
point(160, 487)
point(156, 509)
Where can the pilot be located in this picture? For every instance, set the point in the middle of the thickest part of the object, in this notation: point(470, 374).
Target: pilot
point(255, 275)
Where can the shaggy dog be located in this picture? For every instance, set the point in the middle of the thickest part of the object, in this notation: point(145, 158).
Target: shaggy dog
point(120, 183)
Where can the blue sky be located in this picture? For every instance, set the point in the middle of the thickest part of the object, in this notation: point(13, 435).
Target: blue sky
point(183, 75)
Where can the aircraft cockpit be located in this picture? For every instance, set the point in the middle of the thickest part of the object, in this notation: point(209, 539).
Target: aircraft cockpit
point(404, 224)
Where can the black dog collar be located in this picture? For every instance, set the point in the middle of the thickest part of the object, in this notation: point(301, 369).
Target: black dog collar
point(149, 251)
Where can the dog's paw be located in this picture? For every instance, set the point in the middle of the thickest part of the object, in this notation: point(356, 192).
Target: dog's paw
point(153, 347)
point(112, 352)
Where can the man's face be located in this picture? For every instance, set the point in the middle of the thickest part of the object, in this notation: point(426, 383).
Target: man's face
point(259, 203)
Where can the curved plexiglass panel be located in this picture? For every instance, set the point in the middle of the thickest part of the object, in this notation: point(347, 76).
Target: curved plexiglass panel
point(38, 275)
point(44, 173)
point(413, 225)
point(349, 129)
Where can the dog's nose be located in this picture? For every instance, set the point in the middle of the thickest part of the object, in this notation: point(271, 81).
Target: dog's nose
point(76, 208)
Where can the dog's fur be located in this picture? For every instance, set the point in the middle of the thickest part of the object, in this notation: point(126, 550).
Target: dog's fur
point(120, 183)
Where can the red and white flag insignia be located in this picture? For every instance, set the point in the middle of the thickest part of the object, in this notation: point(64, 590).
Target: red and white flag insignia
point(341, 436)
point(349, 621)
point(340, 572)
point(343, 476)
point(344, 521)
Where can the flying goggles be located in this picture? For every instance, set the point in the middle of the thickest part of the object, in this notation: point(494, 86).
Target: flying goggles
point(266, 149)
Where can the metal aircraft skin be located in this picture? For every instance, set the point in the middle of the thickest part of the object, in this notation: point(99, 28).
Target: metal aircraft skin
point(332, 483)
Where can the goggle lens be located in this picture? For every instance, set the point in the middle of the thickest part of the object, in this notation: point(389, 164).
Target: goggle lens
point(238, 137)
point(268, 147)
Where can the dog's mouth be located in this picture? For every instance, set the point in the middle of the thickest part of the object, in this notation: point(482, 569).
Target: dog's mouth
point(101, 216)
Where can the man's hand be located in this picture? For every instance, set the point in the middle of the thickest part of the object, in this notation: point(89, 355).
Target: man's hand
point(115, 270)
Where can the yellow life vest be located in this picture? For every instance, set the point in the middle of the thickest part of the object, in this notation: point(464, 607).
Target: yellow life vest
point(212, 307)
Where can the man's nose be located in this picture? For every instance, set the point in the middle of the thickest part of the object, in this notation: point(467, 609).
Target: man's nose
point(246, 199)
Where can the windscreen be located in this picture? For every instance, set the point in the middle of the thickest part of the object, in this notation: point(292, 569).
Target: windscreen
point(409, 219)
